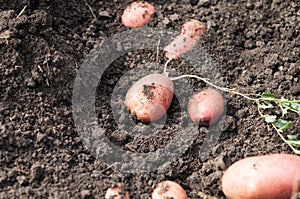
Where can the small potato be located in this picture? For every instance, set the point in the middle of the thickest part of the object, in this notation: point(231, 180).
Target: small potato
point(168, 189)
point(193, 28)
point(150, 97)
point(206, 107)
point(137, 14)
point(117, 192)
point(178, 46)
point(275, 176)
point(191, 33)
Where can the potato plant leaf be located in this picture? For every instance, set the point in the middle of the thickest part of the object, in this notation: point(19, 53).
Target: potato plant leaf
point(267, 96)
point(294, 142)
point(270, 118)
point(292, 137)
point(285, 103)
point(297, 151)
point(295, 106)
point(266, 105)
point(283, 124)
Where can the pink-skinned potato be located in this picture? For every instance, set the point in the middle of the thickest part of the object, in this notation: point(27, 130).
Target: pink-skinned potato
point(206, 107)
point(275, 176)
point(137, 14)
point(168, 189)
point(193, 28)
point(150, 97)
point(191, 33)
point(178, 46)
point(117, 192)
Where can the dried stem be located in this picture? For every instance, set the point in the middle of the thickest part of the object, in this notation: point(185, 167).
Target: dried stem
point(91, 10)
point(22, 11)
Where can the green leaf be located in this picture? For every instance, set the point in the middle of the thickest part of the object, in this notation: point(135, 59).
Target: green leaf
point(296, 151)
point(286, 104)
point(270, 118)
point(295, 142)
point(266, 105)
point(267, 96)
point(283, 124)
point(295, 106)
point(292, 137)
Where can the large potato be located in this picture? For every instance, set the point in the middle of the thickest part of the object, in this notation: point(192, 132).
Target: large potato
point(150, 97)
point(274, 176)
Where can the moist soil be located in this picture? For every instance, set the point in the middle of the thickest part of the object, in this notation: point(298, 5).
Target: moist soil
point(255, 48)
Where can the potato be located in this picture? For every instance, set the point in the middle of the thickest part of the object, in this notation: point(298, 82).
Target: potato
point(168, 189)
point(137, 14)
point(275, 176)
point(117, 192)
point(191, 32)
point(193, 28)
point(150, 97)
point(206, 107)
point(178, 46)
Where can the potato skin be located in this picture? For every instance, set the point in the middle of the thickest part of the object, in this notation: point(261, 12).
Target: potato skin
point(168, 189)
point(191, 32)
point(180, 44)
point(263, 177)
point(194, 29)
point(150, 97)
point(137, 14)
point(117, 192)
point(206, 107)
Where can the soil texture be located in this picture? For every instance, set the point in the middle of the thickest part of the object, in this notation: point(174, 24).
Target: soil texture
point(255, 46)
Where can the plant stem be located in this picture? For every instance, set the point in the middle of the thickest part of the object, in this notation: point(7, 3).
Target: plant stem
point(286, 141)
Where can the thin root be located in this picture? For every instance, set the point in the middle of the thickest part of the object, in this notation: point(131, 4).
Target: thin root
point(91, 10)
point(22, 11)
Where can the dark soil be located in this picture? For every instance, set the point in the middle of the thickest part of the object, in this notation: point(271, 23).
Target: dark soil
point(255, 45)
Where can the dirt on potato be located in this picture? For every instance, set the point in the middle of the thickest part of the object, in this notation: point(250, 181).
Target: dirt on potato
point(147, 90)
point(42, 46)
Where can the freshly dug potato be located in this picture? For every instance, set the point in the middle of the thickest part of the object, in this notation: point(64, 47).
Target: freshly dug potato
point(193, 28)
point(168, 189)
point(117, 192)
point(150, 97)
point(178, 46)
point(191, 33)
point(275, 176)
point(206, 107)
point(137, 14)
